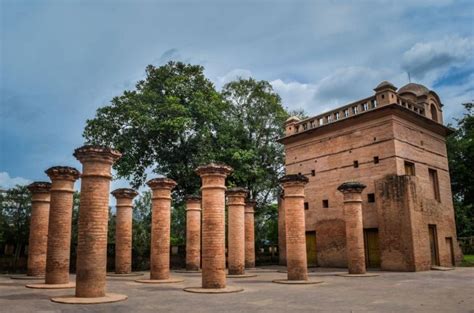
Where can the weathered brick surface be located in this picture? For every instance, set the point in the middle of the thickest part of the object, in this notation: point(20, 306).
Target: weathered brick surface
point(59, 225)
point(193, 233)
point(236, 228)
point(281, 231)
point(213, 224)
point(123, 229)
point(296, 261)
point(38, 240)
point(250, 234)
point(354, 228)
point(93, 219)
point(160, 227)
point(394, 134)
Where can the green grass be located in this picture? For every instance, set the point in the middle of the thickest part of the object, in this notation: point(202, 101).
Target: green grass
point(468, 260)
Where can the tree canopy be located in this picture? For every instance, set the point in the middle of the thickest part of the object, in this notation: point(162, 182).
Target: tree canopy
point(175, 120)
point(461, 159)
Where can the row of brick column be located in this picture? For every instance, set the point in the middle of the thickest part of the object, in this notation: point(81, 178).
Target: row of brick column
point(292, 225)
point(93, 221)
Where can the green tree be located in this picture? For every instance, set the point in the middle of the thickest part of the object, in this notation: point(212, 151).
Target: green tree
point(461, 159)
point(175, 120)
point(141, 230)
point(255, 118)
point(15, 209)
point(168, 124)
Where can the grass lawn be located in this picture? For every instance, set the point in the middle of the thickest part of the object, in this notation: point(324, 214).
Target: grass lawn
point(468, 260)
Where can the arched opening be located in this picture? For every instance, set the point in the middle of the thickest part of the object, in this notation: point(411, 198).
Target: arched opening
point(434, 113)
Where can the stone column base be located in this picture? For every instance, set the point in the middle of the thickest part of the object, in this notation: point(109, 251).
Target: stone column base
point(297, 282)
point(159, 281)
point(26, 277)
point(241, 275)
point(109, 297)
point(133, 274)
point(52, 286)
point(227, 289)
point(358, 275)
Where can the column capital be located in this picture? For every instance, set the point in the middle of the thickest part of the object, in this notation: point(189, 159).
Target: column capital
point(161, 183)
point(63, 172)
point(128, 193)
point(250, 206)
point(237, 192)
point(293, 179)
point(96, 153)
point(39, 187)
point(351, 187)
point(214, 169)
point(193, 199)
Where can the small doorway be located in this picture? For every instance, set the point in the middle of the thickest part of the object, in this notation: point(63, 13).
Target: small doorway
point(311, 252)
point(372, 250)
point(449, 246)
point(433, 245)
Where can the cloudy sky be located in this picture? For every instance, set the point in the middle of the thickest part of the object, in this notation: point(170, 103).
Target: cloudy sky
point(61, 60)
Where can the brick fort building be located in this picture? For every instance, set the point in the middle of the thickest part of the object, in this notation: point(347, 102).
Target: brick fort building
point(394, 142)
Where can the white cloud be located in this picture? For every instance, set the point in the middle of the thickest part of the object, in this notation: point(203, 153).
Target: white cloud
point(8, 182)
point(425, 57)
point(340, 87)
point(232, 75)
point(295, 95)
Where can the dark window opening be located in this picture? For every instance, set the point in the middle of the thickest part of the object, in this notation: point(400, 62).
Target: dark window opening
point(409, 168)
point(356, 164)
point(383, 96)
point(325, 203)
point(376, 159)
point(306, 206)
point(434, 113)
point(313, 173)
point(371, 197)
point(434, 183)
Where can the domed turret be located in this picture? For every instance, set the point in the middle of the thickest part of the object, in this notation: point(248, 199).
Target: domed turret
point(416, 89)
point(290, 127)
point(385, 85)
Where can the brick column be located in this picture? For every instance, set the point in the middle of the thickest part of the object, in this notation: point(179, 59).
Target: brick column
point(295, 226)
point(59, 226)
point(123, 230)
point(236, 228)
point(250, 234)
point(38, 240)
point(354, 227)
point(93, 219)
point(160, 228)
point(193, 233)
point(213, 188)
point(281, 231)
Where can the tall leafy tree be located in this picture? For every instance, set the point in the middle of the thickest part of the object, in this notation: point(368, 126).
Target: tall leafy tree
point(168, 123)
point(255, 118)
point(461, 159)
point(175, 120)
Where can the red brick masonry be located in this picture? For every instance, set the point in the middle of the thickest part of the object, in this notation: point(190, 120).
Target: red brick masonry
point(123, 230)
point(93, 219)
point(295, 226)
point(213, 224)
point(38, 241)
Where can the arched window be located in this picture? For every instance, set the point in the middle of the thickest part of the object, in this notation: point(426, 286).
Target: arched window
point(434, 113)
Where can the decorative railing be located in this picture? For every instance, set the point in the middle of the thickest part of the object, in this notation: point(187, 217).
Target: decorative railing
point(355, 108)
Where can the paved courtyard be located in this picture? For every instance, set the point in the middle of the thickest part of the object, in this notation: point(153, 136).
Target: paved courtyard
point(433, 291)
